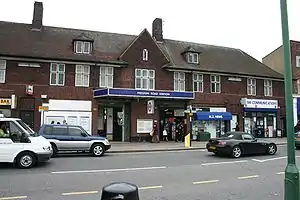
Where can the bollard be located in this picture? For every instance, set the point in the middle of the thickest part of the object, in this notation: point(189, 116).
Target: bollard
point(120, 191)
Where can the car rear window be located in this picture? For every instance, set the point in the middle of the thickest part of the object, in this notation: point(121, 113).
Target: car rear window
point(47, 130)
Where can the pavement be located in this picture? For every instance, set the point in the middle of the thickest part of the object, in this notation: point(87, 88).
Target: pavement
point(125, 147)
point(166, 175)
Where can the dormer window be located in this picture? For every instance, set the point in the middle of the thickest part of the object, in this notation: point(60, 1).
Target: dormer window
point(83, 47)
point(193, 58)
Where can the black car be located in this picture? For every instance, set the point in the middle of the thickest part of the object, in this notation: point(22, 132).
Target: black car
point(237, 144)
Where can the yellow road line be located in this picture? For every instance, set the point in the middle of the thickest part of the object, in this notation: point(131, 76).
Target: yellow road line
point(10, 198)
point(204, 182)
point(151, 187)
point(248, 177)
point(78, 193)
point(279, 173)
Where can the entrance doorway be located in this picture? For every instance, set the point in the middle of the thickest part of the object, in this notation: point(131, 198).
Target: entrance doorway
point(28, 118)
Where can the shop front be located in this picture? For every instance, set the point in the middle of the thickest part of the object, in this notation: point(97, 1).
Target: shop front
point(7, 105)
point(215, 123)
point(260, 117)
point(137, 110)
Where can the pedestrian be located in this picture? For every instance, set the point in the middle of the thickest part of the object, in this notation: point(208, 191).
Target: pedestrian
point(237, 128)
point(155, 137)
point(165, 135)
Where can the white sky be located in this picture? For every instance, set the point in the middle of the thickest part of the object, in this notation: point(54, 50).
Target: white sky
point(251, 25)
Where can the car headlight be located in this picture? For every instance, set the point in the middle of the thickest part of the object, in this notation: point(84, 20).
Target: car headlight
point(48, 148)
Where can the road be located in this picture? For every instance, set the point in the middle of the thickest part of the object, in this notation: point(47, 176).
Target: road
point(159, 175)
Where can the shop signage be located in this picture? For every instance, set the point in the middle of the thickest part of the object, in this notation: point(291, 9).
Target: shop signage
point(213, 116)
point(43, 108)
point(150, 107)
point(260, 103)
point(114, 92)
point(5, 102)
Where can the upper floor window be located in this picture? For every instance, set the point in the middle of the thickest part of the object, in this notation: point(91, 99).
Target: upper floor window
point(179, 81)
point(145, 55)
point(106, 79)
point(251, 86)
point(268, 88)
point(298, 86)
point(297, 61)
point(193, 58)
point(57, 74)
point(144, 79)
point(2, 71)
point(198, 82)
point(83, 47)
point(82, 76)
point(215, 84)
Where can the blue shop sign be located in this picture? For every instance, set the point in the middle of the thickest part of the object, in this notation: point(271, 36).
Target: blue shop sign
point(118, 92)
point(213, 116)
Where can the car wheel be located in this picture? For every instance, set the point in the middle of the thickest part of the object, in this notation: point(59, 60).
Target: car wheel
point(236, 152)
point(272, 149)
point(98, 150)
point(25, 160)
point(54, 150)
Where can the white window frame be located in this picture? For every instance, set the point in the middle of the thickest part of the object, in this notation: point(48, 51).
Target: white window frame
point(57, 73)
point(298, 86)
point(108, 74)
point(82, 71)
point(297, 61)
point(268, 88)
point(81, 49)
point(145, 77)
point(193, 58)
point(179, 81)
point(3, 70)
point(198, 81)
point(145, 54)
point(215, 80)
point(251, 86)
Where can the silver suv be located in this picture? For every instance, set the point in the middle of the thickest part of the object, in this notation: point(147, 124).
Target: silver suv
point(73, 138)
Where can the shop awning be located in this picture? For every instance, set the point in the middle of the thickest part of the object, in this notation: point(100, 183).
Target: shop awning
point(213, 116)
point(122, 92)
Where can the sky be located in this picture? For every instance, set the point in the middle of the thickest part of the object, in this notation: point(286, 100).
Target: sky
point(251, 25)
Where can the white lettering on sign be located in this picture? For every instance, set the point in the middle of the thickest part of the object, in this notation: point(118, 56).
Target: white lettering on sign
point(154, 93)
point(261, 103)
point(215, 117)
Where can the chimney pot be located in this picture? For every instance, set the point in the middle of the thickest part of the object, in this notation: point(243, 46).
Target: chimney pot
point(157, 31)
point(37, 21)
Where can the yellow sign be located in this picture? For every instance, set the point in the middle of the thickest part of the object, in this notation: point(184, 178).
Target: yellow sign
point(43, 108)
point(5, 102)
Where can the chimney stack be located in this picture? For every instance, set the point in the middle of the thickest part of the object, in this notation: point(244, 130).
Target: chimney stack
point(37, 21)
point(157, 32)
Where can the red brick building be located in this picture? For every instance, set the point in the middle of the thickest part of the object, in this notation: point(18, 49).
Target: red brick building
point(119, 84)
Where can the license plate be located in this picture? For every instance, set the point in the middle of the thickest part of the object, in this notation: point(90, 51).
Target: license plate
point(213, 148)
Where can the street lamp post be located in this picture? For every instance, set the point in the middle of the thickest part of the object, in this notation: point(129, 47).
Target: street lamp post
point(291, 187)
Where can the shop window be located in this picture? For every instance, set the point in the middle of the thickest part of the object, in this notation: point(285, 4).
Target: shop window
point(106, 79)
point(197, 82)
point(268, 88)
point(215, 86)
point(179, 81)
point(57, 74)
point(251, 86)
point(82, 77)
point(144, 79)
point(2, 71)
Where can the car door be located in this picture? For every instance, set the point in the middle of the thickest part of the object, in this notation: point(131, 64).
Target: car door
point(60, 135)
point(253, 147)
point(80, 141)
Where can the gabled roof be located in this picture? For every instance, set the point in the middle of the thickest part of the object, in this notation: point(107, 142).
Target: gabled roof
point(17, 39)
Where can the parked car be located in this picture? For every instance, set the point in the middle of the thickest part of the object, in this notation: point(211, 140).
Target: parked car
point(237, 144)
point(73, 138)
point(20, 145)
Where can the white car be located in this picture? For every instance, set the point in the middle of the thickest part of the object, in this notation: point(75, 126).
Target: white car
point(23, 147)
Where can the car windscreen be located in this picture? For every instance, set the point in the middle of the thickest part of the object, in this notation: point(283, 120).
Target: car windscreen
point(27, 128)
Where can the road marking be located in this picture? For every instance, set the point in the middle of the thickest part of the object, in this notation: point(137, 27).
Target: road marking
point(158, 152)
point(271, 159)
point(248, 177)
point(220, 163)
point(205, 182)
point(11, 198)
point(79, 193)
point(256, 160)
point(279, 173)
point(109, 170)
point(151, 187)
